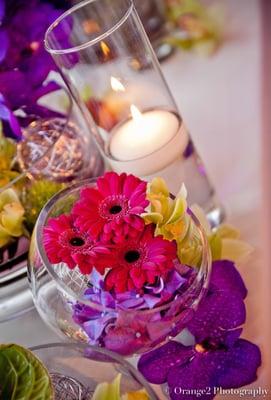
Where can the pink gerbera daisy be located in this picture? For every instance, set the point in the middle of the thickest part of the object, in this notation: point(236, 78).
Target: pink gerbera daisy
point(112, 209)
point(63, 242)
point(140, 261)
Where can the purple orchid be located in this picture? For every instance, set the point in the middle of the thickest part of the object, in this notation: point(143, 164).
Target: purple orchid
point(218, 358)
point(24, 63)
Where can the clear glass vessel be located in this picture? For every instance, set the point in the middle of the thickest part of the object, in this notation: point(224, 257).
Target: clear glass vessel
point(109, 65)
point(76, 370)
point(74, 305)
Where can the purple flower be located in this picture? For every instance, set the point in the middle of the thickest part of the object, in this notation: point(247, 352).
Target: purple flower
point(123, 328)
point(9, 118)
point(223, 309)
point(24, 63)
point(218, 358)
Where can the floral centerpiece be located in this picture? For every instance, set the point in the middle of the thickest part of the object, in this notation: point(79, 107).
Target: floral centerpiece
point(145, 274)
point(139, 260)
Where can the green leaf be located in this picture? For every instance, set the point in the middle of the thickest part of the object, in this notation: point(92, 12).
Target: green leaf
point(22, 375)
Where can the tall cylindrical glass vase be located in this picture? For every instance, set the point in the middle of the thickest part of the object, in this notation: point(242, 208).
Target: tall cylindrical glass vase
point(108, 64)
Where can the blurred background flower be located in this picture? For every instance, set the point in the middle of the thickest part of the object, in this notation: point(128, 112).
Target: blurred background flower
point(24, 63)
point(197, 26)
point(11, 216)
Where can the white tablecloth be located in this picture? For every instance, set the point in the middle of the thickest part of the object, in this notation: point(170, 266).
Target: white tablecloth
point(219, 98)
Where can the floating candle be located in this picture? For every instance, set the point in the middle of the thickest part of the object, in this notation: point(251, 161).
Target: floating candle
point(147, 142)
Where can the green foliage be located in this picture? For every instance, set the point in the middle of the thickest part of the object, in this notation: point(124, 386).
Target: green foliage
point(7, 152)
point(22, 375)
point(35, 196)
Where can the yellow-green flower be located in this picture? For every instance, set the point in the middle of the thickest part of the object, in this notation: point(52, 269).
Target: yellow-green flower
point(7, 152)
point(169, 215)
point(199, 27)
point(11, 216)
point(225, 242)
point(111, 391)
point(174, 223)
point(139, 395)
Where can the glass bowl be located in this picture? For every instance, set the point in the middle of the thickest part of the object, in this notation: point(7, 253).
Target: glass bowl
point(76, 369)
point(126, 326)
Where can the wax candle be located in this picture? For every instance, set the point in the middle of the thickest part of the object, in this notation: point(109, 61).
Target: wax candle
point(147, 142)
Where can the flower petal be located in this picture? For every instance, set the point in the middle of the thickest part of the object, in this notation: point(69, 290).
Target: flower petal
point(236, 250)
point(217, 313)
point(186, 380)
point(226, 277)
point(240, 366)
point(158, 364)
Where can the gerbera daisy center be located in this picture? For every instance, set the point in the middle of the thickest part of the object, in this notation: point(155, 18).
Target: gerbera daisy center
point(116, 209)
point(77, 241)
point(132, 256)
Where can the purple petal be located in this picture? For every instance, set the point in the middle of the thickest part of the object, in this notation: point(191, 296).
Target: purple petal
point(95, 327)
point(2, 10)
point(231, 337)
point(4, 112)
point(173, 282)
point(3, 44)
point(151, 301)
point(225, 276)
point(209, 370)
point(217, 313)
point(123, 340)
point(194, 379)
point(134, 302)
point(40, 111)
point(9, 117)
point(158, 364)
point(45, 89)
point(96, 279)
point(107, 300)
point(239, 367)
point(9, 80)
point(83, 313)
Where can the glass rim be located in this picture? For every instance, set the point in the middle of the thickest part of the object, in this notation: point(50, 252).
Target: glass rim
point(88, 43)
point(114, 356)
point(203, 270)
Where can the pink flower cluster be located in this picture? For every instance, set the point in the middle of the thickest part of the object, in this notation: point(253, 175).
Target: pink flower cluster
point(105, 231)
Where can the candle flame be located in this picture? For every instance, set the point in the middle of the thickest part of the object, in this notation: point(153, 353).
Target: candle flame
point(136, 114)
point(116, 85)
point(34, 46)
point(105, 48)
point(91, 26)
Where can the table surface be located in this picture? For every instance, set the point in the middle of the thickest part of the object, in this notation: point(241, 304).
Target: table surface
point(220, 101)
